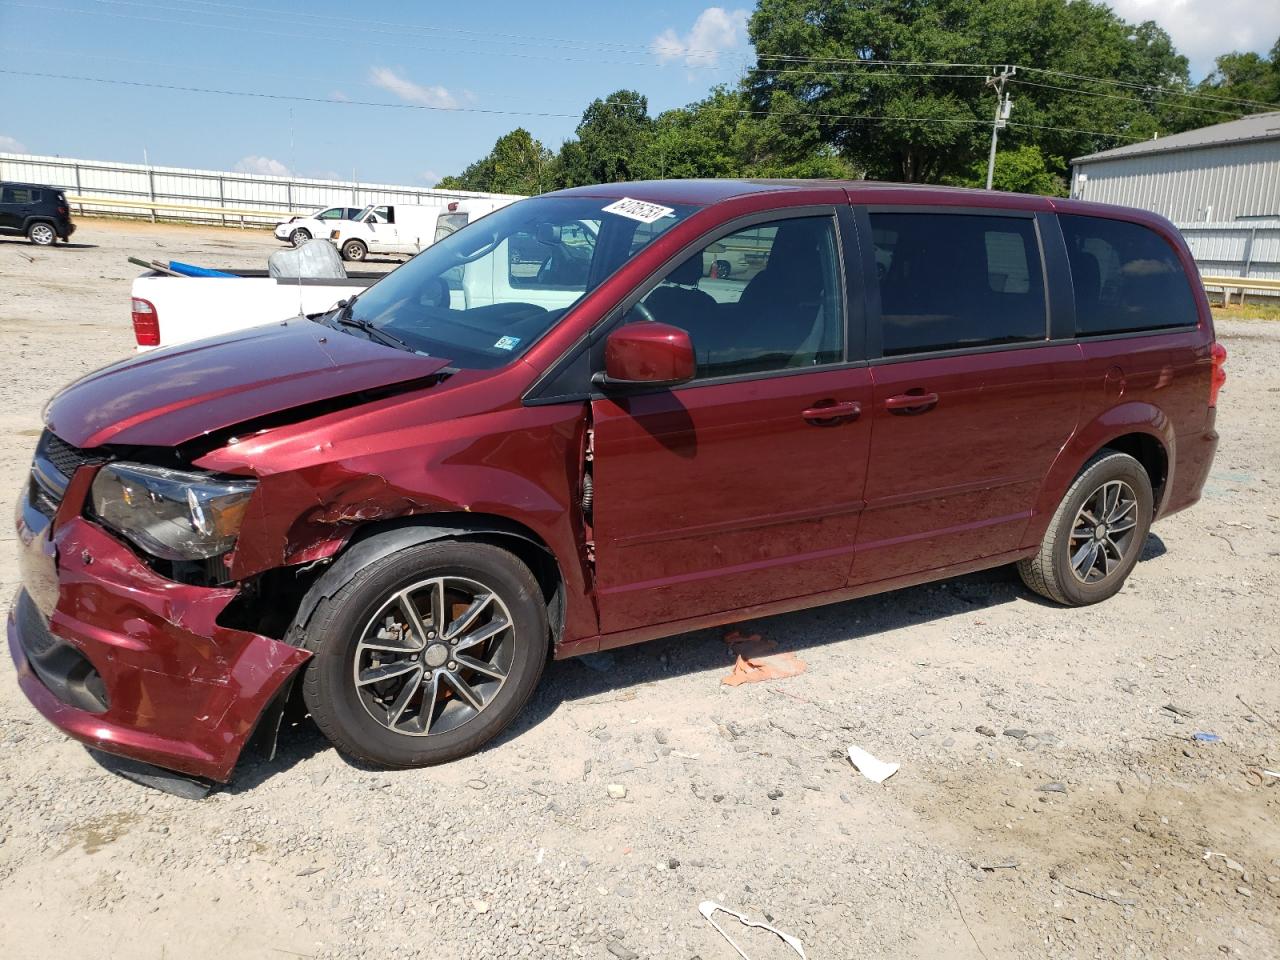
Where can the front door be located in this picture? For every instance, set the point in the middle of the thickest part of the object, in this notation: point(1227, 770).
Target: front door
point(745, 485)
point(972, 401)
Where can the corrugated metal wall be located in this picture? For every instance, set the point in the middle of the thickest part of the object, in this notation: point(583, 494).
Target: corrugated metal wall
point(1210, 183)
point(1239, 248)
point(214, 188)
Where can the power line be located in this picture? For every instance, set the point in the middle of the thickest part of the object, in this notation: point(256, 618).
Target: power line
point(1120, 96)
point(879, 118)
point(1145, 87)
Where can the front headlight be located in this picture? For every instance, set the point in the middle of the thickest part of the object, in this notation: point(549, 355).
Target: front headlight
point(171, 514)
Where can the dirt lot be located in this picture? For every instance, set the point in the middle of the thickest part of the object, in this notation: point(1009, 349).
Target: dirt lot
point(1082, 820)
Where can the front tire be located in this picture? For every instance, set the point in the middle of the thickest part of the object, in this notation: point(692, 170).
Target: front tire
point(1096, 535)
point(42, 234)
point(424, 655)
point(299, 237)
point(354, 250)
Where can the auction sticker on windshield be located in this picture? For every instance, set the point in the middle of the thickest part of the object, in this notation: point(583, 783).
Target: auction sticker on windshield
point(640, 210)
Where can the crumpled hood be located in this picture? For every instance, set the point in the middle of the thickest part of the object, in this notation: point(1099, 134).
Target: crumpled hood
point(171, 396)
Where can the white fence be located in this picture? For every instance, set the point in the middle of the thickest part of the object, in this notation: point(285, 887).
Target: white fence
point(205, 188)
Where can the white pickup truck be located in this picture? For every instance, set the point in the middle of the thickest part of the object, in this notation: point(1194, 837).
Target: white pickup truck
point(547, 268)
point(172, 309)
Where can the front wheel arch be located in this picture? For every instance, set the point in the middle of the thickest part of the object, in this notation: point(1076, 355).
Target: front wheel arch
point(373, 542)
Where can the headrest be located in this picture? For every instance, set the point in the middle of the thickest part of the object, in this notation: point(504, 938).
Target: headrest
point(688, 273)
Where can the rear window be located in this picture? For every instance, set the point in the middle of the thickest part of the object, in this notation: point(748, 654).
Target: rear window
point(1126, 277)
point(950, 281)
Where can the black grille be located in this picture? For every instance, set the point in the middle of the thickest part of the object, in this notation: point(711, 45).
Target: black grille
point(65, 458)
point(60, 666)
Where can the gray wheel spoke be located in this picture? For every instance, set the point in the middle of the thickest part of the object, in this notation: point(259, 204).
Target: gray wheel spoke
point(1111, 554)
point(397, 708)
point(480, 666)
point(465, 691)
point(437, 605)
point(430, 694)
point(1082, 562)
point(1122, 526)
point(386, 671)
point(411, 616)
point(1121, 510)
point(469, 615)
point(481, 634)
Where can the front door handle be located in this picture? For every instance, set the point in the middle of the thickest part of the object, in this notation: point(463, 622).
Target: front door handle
point(910, 404)
point(826, 413)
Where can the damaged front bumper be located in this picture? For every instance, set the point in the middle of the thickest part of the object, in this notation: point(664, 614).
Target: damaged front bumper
point(133, 664)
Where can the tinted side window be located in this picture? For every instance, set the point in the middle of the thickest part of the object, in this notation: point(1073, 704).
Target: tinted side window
point(1126, 278)
point(20, 195)
point(949, 281)
point(764, 298)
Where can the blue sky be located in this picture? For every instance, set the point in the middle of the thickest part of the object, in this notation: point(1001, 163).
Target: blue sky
point(475, 56)
point(484, 55)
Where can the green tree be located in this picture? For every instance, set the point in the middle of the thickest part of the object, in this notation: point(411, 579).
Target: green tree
point(518, 163)
point(611, 142)
point(1245, 76)
point(1023, 169)
point(928, 123)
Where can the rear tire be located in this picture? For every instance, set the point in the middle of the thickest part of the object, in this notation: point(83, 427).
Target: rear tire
point(354, 250)
point(360, 630)
point(299, 237)
point(1096, 535)
point(42, 234)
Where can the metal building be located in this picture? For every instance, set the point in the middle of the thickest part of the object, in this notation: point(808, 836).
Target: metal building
point(1225, 172)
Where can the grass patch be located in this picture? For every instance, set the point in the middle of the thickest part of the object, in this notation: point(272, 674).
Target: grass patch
point(1247, 311)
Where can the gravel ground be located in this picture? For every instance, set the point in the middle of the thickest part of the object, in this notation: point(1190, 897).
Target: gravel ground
point(1050, 803)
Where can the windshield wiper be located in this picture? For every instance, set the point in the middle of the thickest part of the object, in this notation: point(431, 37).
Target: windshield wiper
point(344, 318)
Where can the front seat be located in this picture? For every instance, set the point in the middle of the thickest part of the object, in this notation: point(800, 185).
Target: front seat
point(781, 306)
point(679, 302)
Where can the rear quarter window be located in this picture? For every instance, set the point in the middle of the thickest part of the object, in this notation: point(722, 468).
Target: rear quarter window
point(1126, 277)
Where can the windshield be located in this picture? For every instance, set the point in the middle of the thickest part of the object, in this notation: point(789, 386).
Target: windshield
point(481, 296)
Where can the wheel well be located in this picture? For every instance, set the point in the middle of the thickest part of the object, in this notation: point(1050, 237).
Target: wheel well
point(1149, 452)
point(269, 603)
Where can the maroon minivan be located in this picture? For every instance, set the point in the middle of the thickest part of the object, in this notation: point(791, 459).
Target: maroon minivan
point(592, 418)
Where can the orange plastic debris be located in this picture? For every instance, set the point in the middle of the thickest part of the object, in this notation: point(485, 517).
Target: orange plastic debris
point(755, 661)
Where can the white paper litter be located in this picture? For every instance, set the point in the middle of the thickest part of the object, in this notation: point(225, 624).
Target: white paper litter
point(874, 770)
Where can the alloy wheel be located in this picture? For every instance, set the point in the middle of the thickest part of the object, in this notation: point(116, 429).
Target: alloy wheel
point(42, 234)
point(434, 656)
point(1103, 531)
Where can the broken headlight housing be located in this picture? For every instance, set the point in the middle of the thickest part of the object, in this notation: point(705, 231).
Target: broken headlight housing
point(172, 514)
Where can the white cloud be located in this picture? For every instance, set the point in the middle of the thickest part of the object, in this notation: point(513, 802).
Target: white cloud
point(716, 31)
point(1204, 29)
point(10, 145)
point(261, 166)
point(430, 177)
point(340, 95)
point(409, 91)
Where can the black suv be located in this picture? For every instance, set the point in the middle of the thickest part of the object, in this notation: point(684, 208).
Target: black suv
point(35, 210)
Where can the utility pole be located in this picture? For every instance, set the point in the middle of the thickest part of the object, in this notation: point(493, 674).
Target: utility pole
point(1004, 104)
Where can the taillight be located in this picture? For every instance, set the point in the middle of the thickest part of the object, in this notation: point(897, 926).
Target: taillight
point(146, 323)
point(1219, 354)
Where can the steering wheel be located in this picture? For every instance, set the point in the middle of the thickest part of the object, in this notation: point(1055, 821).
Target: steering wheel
point(483, 251)
point(643, 312)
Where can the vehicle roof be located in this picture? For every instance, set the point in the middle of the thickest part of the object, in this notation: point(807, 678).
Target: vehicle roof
point(708, 192)
point(24, 183)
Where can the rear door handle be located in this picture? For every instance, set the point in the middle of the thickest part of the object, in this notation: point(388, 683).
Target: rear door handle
point(828, 414)
point(909, 404)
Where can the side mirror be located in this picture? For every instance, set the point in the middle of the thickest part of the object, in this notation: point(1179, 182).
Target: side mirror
point(646, 354)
